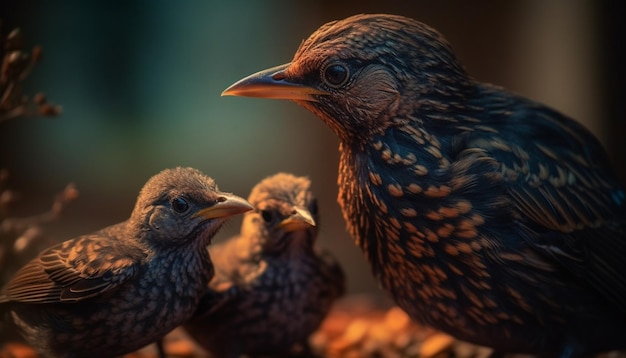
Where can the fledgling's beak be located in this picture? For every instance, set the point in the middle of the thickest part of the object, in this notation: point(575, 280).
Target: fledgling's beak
point(227, 205)
point(272, 83)
point(301, 219)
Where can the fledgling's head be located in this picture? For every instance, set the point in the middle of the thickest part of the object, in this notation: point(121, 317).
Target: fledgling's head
point(182, 204)
point(286, 212)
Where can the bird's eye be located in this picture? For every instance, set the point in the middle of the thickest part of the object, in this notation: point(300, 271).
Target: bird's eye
point(335, 74)
point(267, 215)
point(180, 205)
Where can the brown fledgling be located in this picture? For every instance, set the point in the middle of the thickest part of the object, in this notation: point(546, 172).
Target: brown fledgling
point(120, 288)
point(484, 214)
point(272, 286)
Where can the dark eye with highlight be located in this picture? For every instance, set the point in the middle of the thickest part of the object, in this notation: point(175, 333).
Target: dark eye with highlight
point(335, 74)
point(180, 205)
point(267, 215)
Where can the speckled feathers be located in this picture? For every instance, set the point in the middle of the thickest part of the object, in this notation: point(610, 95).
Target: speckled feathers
point(127, 285)
point(484, 214)
point(272, 286)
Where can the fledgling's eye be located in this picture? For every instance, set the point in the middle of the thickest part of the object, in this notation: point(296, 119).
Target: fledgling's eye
point(180, 205)
point(335, 74)
point(267, 215)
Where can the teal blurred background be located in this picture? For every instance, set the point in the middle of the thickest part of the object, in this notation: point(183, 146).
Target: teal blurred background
point(140, 84)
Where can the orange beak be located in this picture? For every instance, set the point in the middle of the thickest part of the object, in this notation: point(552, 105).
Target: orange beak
point(228, 205)
point(272, 83)
point(300, 220)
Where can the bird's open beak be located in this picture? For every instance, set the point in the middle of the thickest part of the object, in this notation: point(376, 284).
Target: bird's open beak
point(300, 220)
point(227, 205)
point(272, 83)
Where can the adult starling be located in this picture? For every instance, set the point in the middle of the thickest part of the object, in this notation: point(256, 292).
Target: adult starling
point(272, 287)
point(484, 214)
point(127, 285)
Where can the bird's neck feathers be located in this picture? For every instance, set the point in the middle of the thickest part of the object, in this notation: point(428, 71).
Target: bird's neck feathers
point(192, 266)
point(288, 245)
point(442, 109)
point(393, 169)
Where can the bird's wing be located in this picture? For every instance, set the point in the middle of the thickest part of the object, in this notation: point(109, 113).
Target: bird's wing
point(75, 270)
point(569, 204)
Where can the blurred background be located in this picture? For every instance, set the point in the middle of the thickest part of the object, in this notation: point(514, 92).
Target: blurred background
point(140, 86)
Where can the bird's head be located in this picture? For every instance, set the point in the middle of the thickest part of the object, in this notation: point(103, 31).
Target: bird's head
point(363, 73)
point(180, 205)
point(286, 213)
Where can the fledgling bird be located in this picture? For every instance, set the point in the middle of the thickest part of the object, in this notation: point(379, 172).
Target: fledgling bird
point(127, 285)
point(484, 214)
point(272, 286)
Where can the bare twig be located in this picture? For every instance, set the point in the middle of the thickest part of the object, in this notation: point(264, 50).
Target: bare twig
point(17, 64)
point(18, 234)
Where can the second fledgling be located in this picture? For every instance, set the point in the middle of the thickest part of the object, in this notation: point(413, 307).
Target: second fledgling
point(272, 288)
